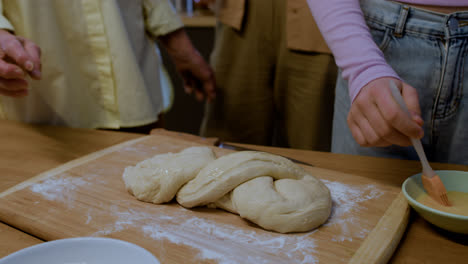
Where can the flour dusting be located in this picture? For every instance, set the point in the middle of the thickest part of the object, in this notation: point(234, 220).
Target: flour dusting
point(346, 201)
point(89, 217)
point(61, 189)
point(221, 242)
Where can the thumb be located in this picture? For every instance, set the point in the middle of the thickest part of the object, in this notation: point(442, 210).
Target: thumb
point(417, 118)
point(411, 98)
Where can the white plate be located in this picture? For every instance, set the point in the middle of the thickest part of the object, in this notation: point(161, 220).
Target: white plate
point(82, 250)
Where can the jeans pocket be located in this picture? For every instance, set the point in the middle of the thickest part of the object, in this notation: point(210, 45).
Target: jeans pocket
point(381, 37)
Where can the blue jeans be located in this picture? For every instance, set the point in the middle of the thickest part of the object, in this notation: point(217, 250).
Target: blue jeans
point(428, 51)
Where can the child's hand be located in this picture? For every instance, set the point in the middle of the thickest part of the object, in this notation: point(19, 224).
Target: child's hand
point(376, 119)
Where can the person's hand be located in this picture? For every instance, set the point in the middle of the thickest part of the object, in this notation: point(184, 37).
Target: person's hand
point(18, 57)
point(376, 119)
point(197, 74)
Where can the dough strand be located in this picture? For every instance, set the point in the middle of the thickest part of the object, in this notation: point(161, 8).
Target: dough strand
point(267, 189)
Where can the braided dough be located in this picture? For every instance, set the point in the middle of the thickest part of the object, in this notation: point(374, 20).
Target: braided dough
point(266, 189)
point(157, 180)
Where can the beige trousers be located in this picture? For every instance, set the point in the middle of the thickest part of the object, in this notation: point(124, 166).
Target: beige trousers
point(268, 94)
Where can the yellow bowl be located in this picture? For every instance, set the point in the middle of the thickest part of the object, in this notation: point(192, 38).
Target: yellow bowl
point(453, 181)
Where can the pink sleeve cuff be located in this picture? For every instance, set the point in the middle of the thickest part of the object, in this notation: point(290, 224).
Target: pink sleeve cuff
point(367, 76)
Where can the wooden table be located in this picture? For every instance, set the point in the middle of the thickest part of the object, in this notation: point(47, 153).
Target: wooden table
point(27, 150)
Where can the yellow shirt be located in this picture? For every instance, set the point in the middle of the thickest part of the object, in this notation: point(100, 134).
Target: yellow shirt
point(99, 64)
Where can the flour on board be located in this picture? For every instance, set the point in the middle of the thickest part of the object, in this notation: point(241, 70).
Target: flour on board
point(221, 239)
point(221, 242)
point(346, 201)
point(61, 189)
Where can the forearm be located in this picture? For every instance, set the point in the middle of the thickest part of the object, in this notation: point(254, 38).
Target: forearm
point(343, 26)
point(177, 43)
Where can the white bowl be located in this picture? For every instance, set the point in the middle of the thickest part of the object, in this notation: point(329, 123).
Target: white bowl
point(82, 250)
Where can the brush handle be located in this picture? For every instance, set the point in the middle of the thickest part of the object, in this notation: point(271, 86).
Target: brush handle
point(427, 170)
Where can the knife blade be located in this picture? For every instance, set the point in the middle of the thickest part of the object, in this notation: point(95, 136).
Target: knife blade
point(238, 148)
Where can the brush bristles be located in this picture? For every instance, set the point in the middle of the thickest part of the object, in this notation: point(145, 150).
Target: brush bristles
point(436, 189)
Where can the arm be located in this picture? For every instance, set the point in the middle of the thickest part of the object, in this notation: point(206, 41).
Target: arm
point(18, 56)
point(163, 23)
point(346, 33)
point(375, 119)
point(197, 74)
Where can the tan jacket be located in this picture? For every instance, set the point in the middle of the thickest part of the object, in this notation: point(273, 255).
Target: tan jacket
point(302, 32)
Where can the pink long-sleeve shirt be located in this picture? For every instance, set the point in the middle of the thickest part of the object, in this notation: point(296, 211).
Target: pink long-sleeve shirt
point(343, 26)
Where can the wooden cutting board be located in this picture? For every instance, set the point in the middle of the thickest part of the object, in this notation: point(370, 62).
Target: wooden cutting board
point(87, 197)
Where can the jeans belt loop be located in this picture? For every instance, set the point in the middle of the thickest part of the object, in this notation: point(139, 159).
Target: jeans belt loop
point(400, 25)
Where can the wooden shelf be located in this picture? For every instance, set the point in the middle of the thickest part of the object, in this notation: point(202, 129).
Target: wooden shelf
point(198, 20)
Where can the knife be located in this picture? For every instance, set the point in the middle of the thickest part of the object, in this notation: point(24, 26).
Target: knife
point(237, 148)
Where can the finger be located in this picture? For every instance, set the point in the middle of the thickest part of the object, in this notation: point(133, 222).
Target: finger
point(13, 88)
point(199, 95)
point(35, 55)
point(14, 49)
point(356, 132)
point(411, 98)
point(188, 89)
point(394, 115)
point(418, 119)
point(368, 131)
point(20, 93)
point(10, 71)
point(209, 88)
point(384, 131)
point(353, 116)
point(196, 87)
point(13, 85)
point(372, 138)
point(188, 84)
